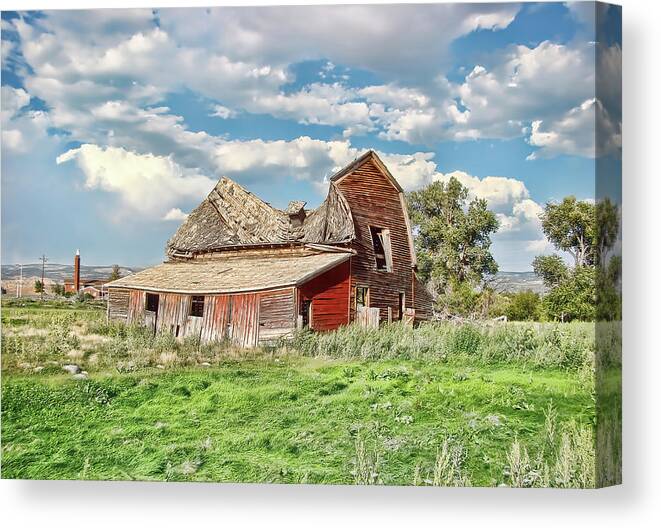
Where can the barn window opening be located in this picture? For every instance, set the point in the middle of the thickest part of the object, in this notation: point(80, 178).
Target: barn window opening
point(362, 297)
point(402, 305)
point(306, 312)
point(197, 306)
point(382, 248)
point(151, 304)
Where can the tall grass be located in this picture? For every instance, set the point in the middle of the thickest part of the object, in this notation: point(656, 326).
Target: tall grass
point(35, 337)
point(556, 345)
point(565, 460)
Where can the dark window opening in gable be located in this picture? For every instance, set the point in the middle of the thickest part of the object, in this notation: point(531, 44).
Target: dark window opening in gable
point(382, 248)
point(151, 303)
point(197, 306)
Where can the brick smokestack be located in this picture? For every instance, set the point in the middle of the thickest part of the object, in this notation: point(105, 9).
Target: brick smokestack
point(76, 271)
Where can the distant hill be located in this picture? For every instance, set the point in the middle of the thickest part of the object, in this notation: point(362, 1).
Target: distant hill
point(62, 272)
point(504, 281)
point(517, 281)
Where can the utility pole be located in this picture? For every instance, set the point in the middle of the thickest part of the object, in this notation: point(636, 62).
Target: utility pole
point(43, 266)
point(19, 284)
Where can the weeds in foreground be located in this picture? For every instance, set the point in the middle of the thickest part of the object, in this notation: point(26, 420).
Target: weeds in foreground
point(448, 469)
point(366, 461)
point(566, 460)
point(570, 463)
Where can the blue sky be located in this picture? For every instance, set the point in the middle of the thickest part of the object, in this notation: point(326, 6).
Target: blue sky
point(116, 123)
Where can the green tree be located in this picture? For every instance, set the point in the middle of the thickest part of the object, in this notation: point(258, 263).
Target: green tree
point(551, 268)
point(115, 273)
point(608, 226)
point(574, 298)
point(524, 306)
point(459, 298)
point(609, 298)
point(38, 286)
point(453, 241)
point(571, 226)
point(609, 267)
point(57, 289)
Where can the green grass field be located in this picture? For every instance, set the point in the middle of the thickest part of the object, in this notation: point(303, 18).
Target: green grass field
point(437, 405)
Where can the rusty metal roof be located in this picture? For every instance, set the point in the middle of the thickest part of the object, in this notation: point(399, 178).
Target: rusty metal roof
point(233, 273)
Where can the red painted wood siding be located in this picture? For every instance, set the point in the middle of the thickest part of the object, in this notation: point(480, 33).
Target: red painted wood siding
point(329, 293)
point(374, 201)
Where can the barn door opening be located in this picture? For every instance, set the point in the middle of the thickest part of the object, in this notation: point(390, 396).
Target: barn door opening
point(402, 305)
point(151, 311)
point(306, 313)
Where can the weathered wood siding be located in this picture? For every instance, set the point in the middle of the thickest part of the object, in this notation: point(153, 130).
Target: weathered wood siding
point(367, 317)
point(244, 319)
point(277, 314)
point(245, 315)
point(173, 310)
point(329, 293)
point(215, 318)
point(374, 201)
point(230, 317)
point(118, 304)
point(136, 314)
point(423, 301)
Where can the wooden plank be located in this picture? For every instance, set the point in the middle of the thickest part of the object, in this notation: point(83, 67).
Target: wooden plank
point(276, 314)
point(193, 326)
point(118, 304)
point(367, 317)
point(409, 316)
point(215, 318)
point(136, 312)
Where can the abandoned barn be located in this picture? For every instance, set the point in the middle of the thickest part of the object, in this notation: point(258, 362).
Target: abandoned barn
point(241, 270)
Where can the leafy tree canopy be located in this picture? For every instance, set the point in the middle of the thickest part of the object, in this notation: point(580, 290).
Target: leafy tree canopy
point(115, 274)
point(571, 226)
point(524, 306)
point(452, 235)
point(608, 226)
point(551, 268)
point(574, 298)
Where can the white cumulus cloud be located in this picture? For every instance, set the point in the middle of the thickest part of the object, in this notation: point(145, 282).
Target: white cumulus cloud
point(145, 184)
point(175, 214)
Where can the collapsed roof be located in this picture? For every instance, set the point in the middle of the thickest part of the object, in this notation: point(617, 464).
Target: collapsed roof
point(230, 216)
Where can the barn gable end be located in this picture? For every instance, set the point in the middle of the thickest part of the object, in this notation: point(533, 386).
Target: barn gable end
point(377, 202)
